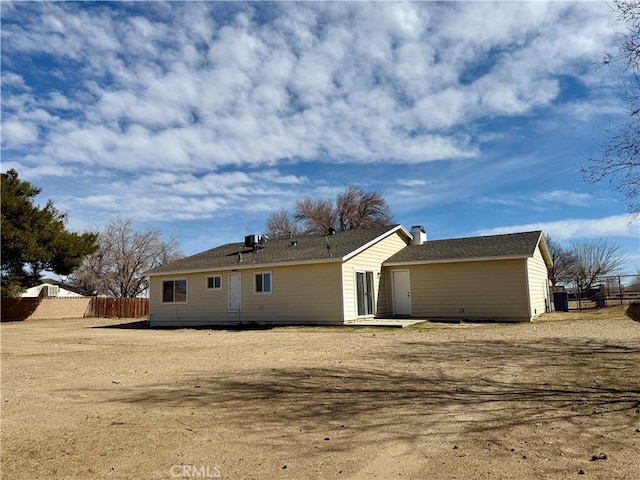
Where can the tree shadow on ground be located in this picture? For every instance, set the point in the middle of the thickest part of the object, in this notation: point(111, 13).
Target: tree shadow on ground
point(144, 325)
point(475, 385)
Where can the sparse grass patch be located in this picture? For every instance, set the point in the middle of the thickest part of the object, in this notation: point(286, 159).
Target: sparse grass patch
point(612, 313)
point(535, 400)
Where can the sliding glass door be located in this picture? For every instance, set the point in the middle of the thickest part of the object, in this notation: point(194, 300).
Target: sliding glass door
point(364, 293)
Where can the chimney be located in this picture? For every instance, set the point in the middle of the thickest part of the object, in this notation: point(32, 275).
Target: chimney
point(419, 235)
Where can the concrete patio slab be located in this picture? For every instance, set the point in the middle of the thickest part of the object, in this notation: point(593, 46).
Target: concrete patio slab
point(382, 322)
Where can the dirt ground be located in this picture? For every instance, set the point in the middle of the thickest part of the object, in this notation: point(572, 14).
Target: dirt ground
point(96, 398)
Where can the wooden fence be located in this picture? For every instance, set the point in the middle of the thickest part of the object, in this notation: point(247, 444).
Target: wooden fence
point(108, 307)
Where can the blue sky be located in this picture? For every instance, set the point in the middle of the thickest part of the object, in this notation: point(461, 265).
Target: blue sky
point(201, 118)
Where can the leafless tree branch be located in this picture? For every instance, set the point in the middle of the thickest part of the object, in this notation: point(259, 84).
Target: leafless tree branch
point(117, 268)
point(354, 208)
point(594, 259)
point(619, 160)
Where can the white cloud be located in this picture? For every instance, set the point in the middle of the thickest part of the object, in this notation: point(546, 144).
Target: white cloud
point(39, 171)
point(565, 197)
point(378, 82)
point(546, 200)
point(16, 134)
point(10, 79)
point(503, 202)
point(409, 182)
point(613, 226)
point(194, 110)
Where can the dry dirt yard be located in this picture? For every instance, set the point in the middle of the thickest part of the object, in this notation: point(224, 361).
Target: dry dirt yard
point(88, 399)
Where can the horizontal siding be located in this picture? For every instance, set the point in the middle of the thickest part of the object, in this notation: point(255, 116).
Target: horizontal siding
point(538, 284)
point(300, 294)
point(370, 259)
point(482, 290)
point(202, 305)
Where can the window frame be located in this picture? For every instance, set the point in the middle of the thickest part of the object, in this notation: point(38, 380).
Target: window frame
point(214, 288)
point(174, 281)
point(255, 283)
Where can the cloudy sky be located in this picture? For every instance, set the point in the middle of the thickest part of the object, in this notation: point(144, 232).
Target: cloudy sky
point(201, 118)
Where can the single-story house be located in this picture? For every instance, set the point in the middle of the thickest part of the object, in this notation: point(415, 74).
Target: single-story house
point(52, 288)
point(343, 277)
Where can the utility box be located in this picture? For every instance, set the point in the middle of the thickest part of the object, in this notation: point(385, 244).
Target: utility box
point(561, 301)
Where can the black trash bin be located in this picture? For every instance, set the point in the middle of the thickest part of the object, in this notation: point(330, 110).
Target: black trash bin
point(561, 301)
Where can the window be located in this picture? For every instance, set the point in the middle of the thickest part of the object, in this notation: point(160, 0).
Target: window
point(214, 282)
point(263, 282)
point(174, 291)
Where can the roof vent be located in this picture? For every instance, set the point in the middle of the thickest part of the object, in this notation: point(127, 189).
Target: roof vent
point(419, 235)
point(332, 231)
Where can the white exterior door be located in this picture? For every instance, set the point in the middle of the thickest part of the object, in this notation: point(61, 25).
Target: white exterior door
point(401, 292)
point(235, 292)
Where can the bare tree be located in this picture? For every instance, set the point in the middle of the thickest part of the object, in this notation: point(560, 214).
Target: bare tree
point(359, 209)
point(594, 259)
point(619, 161)
point(280, 224)
point(316, 216)
point(353, 208)
point(117, 268)
point(562, 258)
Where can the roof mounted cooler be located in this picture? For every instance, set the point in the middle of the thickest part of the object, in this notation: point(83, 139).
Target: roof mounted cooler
point(254, 241)
point(250, 241)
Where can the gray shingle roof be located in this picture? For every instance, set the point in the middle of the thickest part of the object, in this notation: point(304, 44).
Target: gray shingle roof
point(509, 245)
point(307, 248)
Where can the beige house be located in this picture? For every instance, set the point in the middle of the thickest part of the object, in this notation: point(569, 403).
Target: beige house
point(355, 275)
point(498, 277)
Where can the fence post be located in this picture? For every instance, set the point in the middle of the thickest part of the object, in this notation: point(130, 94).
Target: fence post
point(620, 289)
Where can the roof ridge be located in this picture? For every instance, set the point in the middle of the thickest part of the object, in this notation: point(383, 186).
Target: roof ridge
point(484, 236)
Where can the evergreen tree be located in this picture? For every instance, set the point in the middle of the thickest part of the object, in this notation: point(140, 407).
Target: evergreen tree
point(34, 238)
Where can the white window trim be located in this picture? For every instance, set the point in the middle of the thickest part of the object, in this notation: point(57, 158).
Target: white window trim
point(186, 280)
point(206, 282)
point(255, 274)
